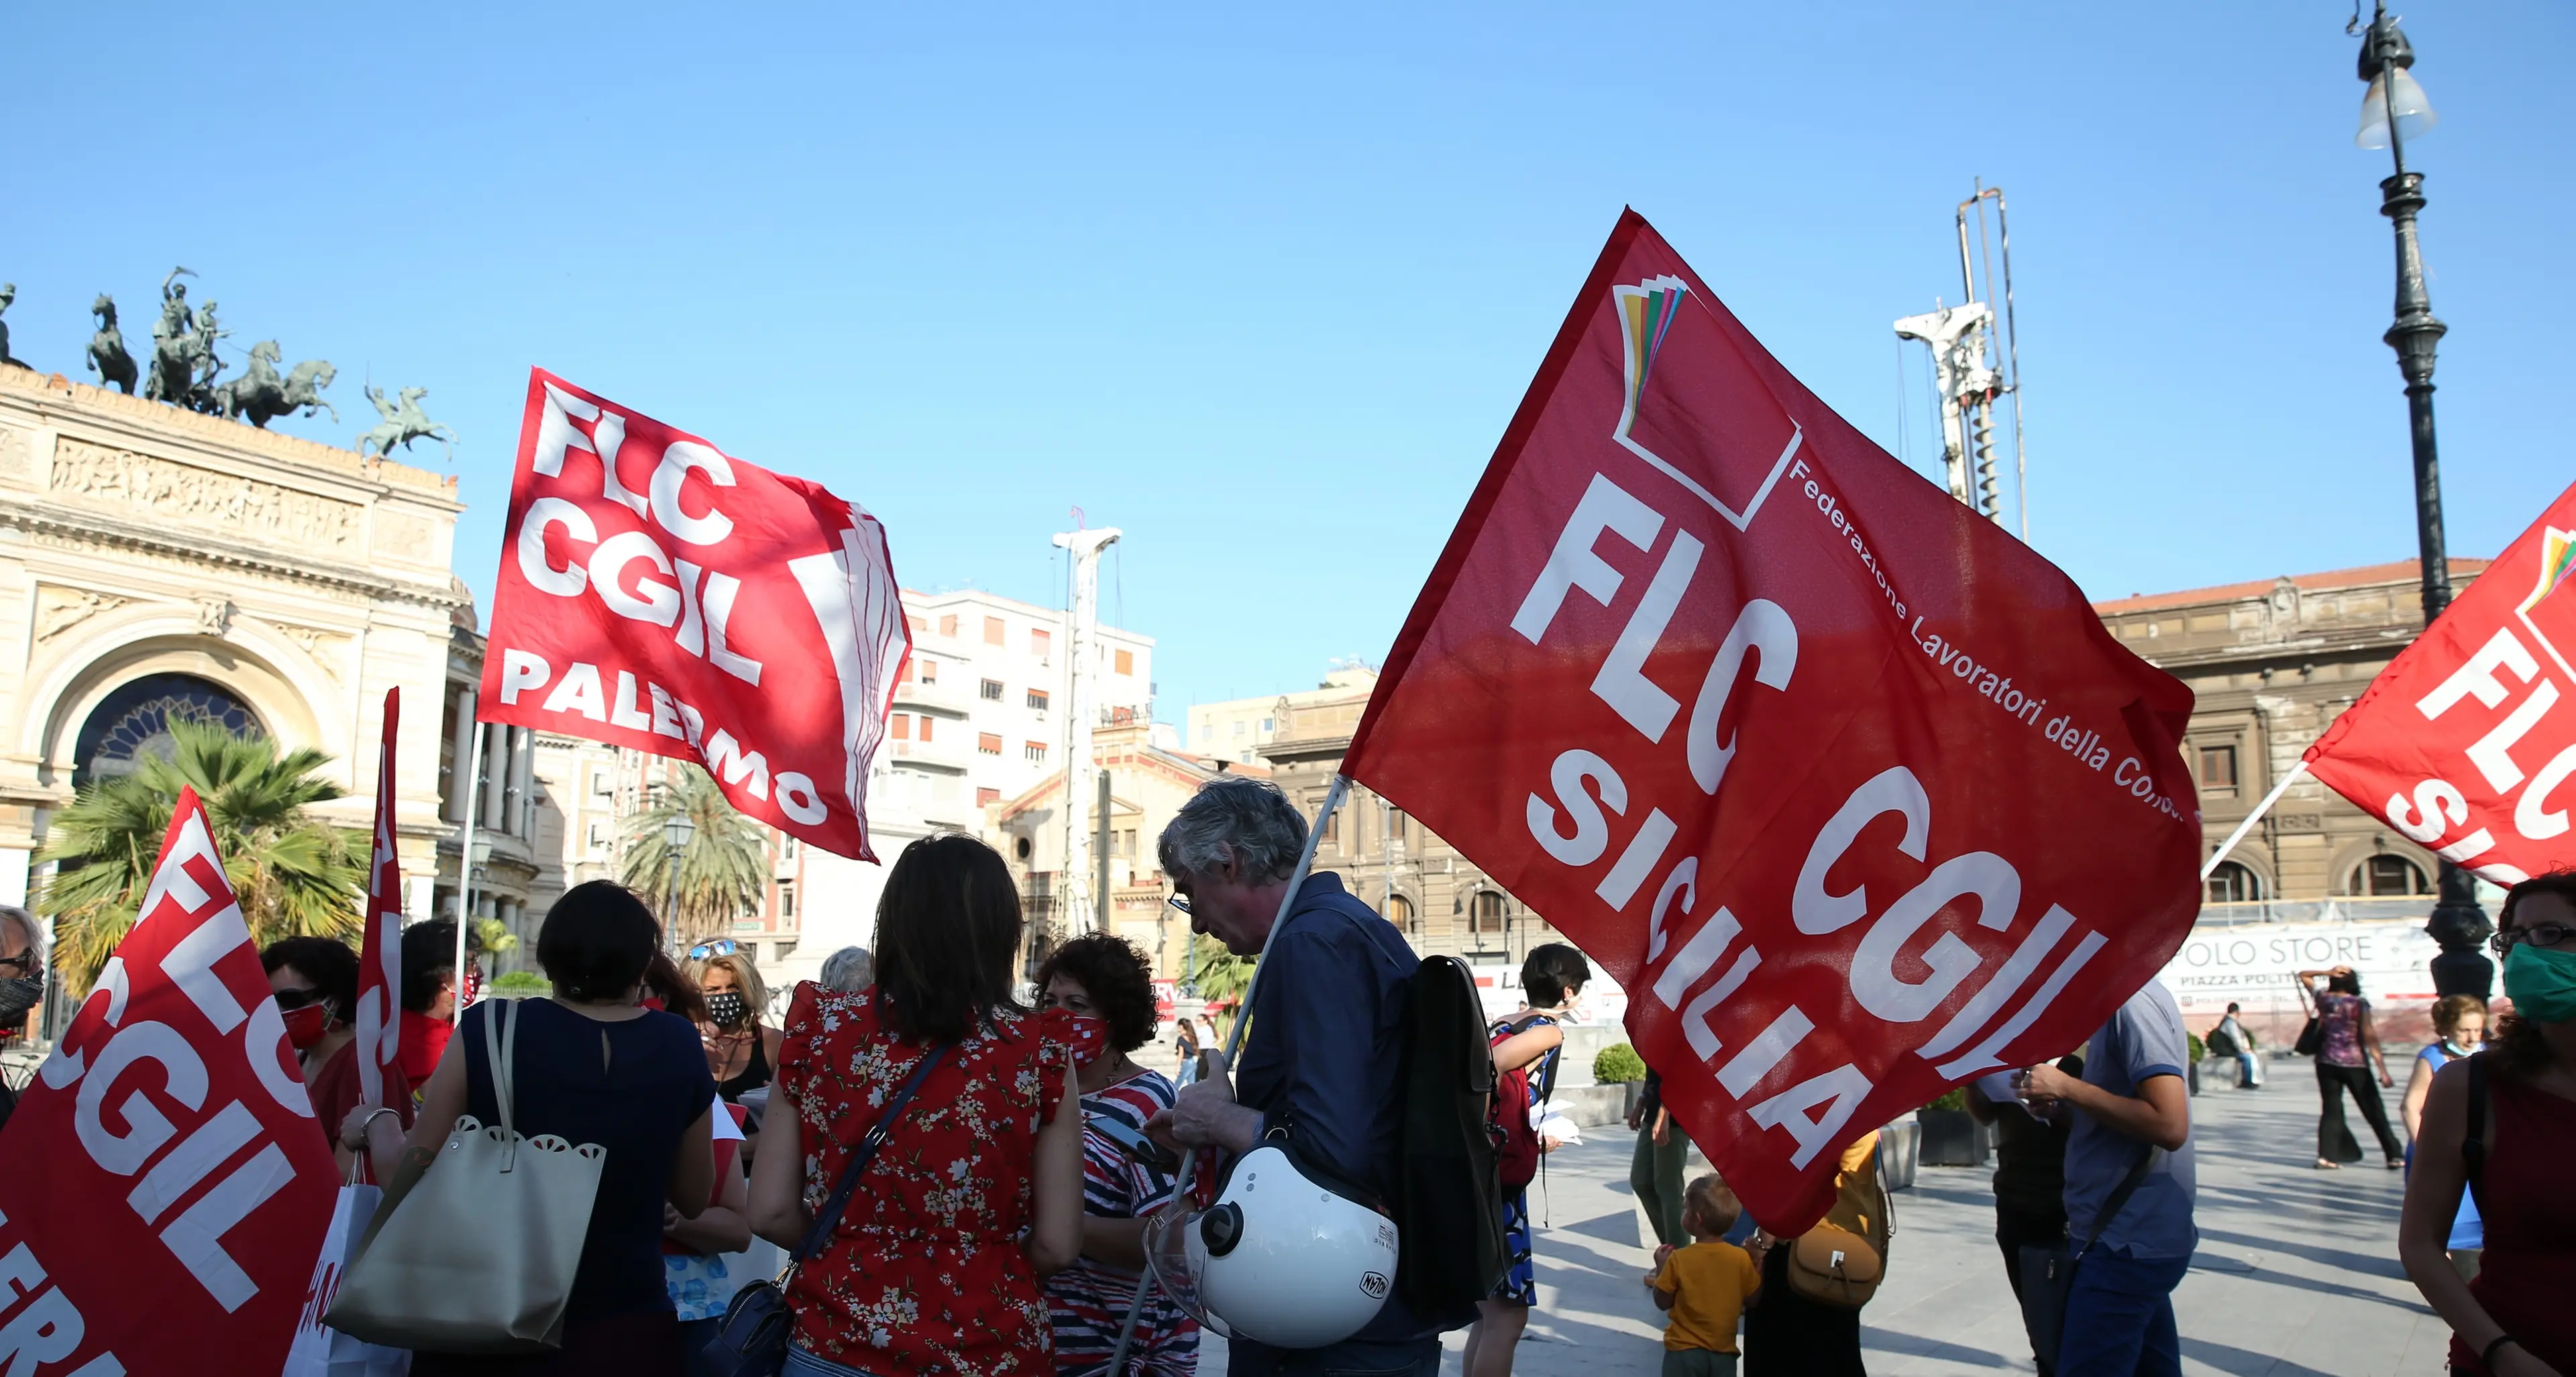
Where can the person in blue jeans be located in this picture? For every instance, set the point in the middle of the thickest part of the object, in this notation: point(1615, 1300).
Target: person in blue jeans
point(2131, 1103)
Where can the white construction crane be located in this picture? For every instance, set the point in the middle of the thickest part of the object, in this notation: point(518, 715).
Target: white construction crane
point(1970, 386)
point(1084, 909)
point(1957, 335)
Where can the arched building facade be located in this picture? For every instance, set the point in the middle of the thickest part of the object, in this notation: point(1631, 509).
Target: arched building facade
point(155, 562)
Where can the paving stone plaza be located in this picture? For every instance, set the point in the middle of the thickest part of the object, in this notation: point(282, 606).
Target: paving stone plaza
point(2296, 1274)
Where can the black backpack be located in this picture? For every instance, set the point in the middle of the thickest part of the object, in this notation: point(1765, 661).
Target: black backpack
point(1449, 1202)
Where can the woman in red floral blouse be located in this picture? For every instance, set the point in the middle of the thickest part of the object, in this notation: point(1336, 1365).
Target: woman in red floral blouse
point(978, 1191)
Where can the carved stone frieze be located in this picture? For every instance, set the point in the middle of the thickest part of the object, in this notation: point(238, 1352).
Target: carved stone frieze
point(325, 647)
point(17, 458)
point(163, 492)
point(403, 536)
point(60, 609)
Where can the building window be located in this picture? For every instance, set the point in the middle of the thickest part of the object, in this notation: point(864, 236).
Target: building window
point(989, 743)
point(987, 796)
point(1333, 830)
point(1395, 826)
point(603, 783)
point(1399, 911)
point(1040, 642)
point(925, 727)
point(1038, 699)
point(2231, 883)
point(2388, 877)
point(1266, 728)
point(1035, 751)
point(2218, 771)
point(787, 846)
point(930, 671)
point(1238, 729)
point(599, 836)
point(1123, 662)
point(992, 690)
point(992, 631)
point(786, 905)
point(921, 624)
point(948, 625)
point(903, 726)
point(1489, 912)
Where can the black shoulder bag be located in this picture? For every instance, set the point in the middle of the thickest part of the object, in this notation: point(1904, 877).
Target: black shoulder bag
point(2048, 1274)
point(753, 1339)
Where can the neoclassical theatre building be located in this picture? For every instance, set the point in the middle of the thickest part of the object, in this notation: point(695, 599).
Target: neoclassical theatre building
point(154, 561)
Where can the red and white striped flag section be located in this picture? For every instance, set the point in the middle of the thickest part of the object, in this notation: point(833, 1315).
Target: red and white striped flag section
point(164, 1185)
point(380, 962)
point(658, 593)
point(2466, 743)
point(1847, 787)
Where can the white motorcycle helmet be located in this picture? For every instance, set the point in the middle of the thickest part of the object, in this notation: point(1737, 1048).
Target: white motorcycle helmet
point(1285, 1257)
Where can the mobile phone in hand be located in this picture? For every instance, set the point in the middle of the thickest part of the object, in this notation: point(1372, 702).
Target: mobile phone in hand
point(1135, 1145)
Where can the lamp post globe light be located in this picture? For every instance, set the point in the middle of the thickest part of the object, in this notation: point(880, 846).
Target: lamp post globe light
point(2393, 110)
point(677, 833)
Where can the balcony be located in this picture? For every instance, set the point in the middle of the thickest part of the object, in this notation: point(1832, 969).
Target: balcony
point(939, 697)
point(952, 749)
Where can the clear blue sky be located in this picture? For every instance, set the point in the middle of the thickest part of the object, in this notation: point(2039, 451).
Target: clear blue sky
point(1264, 289)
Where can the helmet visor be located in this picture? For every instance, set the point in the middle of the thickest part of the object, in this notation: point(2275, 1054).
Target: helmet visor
point(1176, 1257)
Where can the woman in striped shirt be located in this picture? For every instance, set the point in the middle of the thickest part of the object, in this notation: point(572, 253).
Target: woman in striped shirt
point(1107, 977)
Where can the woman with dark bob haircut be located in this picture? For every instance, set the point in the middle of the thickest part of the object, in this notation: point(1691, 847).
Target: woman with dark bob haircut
point(977, 1191)
point(1106, 977)
point(593, 1065)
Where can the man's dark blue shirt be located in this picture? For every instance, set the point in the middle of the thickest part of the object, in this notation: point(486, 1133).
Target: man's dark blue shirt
point(1325, 1053)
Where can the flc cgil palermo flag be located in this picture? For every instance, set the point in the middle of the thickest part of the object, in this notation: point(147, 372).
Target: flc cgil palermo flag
point(659, 594)
point(1846, 786)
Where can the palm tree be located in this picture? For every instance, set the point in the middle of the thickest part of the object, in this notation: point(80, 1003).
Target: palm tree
point(294, 874)
point(723, 872)
point(1223, 976)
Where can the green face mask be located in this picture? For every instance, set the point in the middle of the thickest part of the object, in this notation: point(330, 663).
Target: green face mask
point(2541, 982)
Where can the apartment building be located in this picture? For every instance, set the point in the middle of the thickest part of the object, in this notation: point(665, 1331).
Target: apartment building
point(1238, 729)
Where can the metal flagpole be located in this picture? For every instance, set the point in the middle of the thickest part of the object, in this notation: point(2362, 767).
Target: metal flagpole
point(465, 872)
point(1233, 1042)
point(2293, 777)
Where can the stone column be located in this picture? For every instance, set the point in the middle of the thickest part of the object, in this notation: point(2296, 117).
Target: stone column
point(460, 775)
point(496, 777)
point(523, 791)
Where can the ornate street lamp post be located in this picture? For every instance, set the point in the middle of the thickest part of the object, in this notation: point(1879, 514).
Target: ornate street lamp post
point(676, 836)
point(2394, 110)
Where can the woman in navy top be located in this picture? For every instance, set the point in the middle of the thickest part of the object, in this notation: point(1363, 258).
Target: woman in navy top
point(593, 1066)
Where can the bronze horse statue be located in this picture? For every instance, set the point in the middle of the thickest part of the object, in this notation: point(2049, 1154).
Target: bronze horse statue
point(260, 396)
point(404, 423)
point(107, 356)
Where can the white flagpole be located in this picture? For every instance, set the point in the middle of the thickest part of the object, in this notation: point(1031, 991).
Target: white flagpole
point(1233, 1042)
point(465, 873)
point(2288, 779)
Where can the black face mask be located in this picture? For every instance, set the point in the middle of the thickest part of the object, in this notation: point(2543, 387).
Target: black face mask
point(20, 995)
point(727, 1008)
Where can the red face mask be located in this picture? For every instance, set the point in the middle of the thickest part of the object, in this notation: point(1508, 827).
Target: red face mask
point(305, 1026)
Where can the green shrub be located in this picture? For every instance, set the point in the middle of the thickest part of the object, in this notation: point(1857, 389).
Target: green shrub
point(1616, 1063)
point(1954, 1098)
point(2197, 1050)
point(520, 985)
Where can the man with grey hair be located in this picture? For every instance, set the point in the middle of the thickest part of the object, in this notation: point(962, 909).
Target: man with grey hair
point(848, 970)
point(1323, 1057)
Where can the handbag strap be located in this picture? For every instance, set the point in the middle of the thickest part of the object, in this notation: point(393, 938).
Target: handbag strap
point(829, 1217)
point(500, 1048)
point(2120, 1197)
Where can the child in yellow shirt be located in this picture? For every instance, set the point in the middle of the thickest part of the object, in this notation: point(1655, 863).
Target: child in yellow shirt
point(1704, 1285)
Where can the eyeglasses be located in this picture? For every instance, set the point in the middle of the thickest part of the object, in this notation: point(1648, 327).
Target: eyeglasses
point(1181, 902)
point(2538, 935)
point(289, 1001)
point(722, 946)
point(26, 962)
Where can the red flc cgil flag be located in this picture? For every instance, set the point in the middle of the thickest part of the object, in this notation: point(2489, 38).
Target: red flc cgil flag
point(380, 963)
point(1848, 788)
point(2467, 741)
point(658, 593)
point(164, 1184)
